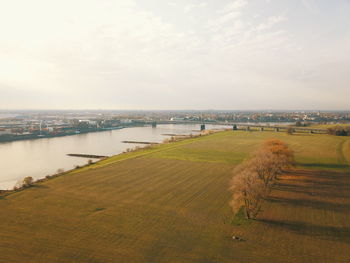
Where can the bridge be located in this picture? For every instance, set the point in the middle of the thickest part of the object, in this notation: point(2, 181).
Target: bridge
point(244, 126)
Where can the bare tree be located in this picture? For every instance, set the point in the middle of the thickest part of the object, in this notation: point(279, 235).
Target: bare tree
point(248, 191)
point(279, 149)
point(253, 179)
point(268, 166)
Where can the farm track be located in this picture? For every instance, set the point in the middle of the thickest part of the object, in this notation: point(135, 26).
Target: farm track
point(340, 152)
point(346, 151)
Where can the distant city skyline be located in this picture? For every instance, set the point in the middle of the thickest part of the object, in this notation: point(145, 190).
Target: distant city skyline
point(174, 55)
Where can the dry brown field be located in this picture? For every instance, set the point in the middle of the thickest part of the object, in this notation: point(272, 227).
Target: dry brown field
point(170, 204)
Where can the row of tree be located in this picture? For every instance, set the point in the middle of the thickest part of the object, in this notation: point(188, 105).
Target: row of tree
point(253, 179)
point(339, 130)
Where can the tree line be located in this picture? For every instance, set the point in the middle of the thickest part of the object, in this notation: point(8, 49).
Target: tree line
point(339, 130)
point(253, 179)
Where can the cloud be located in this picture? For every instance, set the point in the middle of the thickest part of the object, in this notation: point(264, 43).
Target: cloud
point(224, 19)
point(229, 15)
point(271, 21)
point(232, 54)
point(309, 5)
point(234, 6)
point(188, 8)
point(172, 4)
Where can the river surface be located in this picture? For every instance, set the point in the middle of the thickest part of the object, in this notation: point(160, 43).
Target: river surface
point(41, 157)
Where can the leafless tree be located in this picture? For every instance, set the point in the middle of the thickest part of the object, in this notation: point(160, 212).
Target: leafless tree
point(253, 179)
point(268, 166)
point(248, 191)
point(279, 149)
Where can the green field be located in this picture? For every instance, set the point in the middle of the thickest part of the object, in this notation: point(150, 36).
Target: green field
point(170, 204)
point(326, 126)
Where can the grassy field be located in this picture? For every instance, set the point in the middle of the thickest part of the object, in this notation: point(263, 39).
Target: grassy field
point(326, 126)
point(170, 204)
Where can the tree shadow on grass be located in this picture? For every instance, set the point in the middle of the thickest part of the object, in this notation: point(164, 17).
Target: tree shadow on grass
point(316, 174)
point(323, 190)
point(341, 234)
point(323, 165)
point(322, 183)
point(308, 203)
point(312, 191)
point(331, 184)
point(330, 189)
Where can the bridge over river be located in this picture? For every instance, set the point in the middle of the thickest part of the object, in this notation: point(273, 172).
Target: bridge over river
point(245, 126)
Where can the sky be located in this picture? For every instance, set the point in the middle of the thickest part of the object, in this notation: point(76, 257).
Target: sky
point(175, 54)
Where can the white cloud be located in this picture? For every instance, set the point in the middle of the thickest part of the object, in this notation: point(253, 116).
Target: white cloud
point(235, 6)
point(271, 21)
point(310, 5)
point(191, 6)
point(224, 19)
point(188, 8)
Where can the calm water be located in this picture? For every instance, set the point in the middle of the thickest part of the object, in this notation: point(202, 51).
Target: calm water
point(41, 157)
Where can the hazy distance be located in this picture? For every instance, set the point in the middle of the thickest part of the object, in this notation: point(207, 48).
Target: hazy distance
point(167, 54)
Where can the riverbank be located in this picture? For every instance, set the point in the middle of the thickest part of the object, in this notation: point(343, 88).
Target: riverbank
point(129, 153)
point(21, 137)
point(38, 158)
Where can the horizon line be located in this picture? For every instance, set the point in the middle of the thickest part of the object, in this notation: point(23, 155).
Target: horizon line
point(147, 110)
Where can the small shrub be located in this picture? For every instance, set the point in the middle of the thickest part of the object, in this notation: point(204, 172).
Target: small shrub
point(28, 181)
point(99, 209)
point(239, 218)
point(60, 170)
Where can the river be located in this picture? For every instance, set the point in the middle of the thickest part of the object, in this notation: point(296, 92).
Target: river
point(41, 157)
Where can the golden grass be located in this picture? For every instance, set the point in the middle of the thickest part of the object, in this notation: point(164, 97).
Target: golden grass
point(305, 219)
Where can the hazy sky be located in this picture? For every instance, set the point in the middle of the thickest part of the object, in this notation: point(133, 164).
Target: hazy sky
point(175, 54)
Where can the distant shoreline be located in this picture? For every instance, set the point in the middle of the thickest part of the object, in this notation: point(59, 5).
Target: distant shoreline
point(13, 138)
